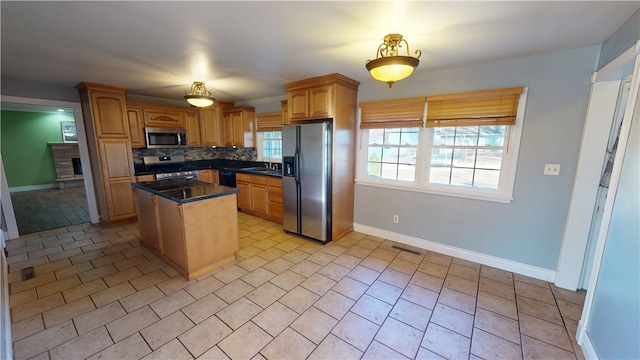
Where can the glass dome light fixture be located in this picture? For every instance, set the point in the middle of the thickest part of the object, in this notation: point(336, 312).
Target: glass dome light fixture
point(390, 67)
point(198, 95)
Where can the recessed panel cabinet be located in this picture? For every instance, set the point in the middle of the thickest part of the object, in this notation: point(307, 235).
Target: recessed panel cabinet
point(260, 196)
point(193, 128)
point(164, 117)
point(107, 126)
point(106, 111)
point(310, 103)
point(136, 127)
point(239, 127)
point(211, 127)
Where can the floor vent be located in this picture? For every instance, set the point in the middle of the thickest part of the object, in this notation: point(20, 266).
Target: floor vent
point(28, 273)
point(407, 250)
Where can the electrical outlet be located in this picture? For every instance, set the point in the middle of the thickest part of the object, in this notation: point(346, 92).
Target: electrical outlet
point(552, 169)
point(396, 218)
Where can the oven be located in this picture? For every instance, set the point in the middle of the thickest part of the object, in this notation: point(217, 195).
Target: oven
point(192, 174)
point(169, 167)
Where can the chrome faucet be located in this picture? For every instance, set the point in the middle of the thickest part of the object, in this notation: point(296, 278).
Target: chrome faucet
point(268, 165)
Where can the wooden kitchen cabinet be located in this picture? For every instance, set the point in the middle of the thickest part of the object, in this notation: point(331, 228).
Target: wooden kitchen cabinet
point(211, 127)
point(147, 210)
point(107, 109)
point(274, 198)
point(143, 178)
point(193, 128)
point(239, 127)
point(164, 116)
point(332, 96)
point(105, 117)
point(136, 127)
point(260, 196)
point(209, 175)
point(284, 108)
point(310, 103)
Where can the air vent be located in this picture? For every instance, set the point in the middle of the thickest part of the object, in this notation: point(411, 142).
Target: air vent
point(407, 250)
point(28, 273)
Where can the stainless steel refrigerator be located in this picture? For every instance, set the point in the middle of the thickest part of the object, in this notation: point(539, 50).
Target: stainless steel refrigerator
point(306, 180)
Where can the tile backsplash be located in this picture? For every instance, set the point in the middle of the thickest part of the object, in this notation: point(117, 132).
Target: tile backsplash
point(199, 153)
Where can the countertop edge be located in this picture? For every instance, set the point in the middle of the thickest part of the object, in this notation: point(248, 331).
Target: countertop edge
point(230, 191)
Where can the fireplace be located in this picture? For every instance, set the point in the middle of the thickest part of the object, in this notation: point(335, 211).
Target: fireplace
point(66, 160)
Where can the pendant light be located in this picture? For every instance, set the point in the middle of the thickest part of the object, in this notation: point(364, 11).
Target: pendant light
point(390, 67)
point(198, 95)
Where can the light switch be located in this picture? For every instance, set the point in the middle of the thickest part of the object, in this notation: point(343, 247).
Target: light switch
point(552, 169)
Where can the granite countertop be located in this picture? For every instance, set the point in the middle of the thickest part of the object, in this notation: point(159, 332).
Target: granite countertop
point(253, 167)
point(185, 190)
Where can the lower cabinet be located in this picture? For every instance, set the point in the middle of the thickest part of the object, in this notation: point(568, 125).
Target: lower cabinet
point(210, 175)
point(260, 196)
point(274, 197)
point(195, 237)
point(143, 178)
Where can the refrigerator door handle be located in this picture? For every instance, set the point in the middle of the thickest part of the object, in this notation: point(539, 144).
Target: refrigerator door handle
point(296, 168)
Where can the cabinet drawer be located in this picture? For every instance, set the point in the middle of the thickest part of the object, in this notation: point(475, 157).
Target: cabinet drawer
point(243, 177)
point(275, 195)
point(257, 179)
point(274, 181)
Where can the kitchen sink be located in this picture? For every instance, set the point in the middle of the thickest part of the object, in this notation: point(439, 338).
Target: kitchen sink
point(263, 170)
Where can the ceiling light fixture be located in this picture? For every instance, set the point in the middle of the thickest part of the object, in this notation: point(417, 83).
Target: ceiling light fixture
point(390, 67)
point(198, 95)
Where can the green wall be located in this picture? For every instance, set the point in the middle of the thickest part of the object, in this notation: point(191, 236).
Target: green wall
point(24, 138)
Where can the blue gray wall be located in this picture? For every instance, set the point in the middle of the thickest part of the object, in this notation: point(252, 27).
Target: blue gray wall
point(529, 230)
point(614, 323)
point(625, 37)
point(614, 319)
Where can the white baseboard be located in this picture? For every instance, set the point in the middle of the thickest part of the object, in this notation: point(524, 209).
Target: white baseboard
point(32, 187)
point(583, 339)
point(6, 340)
point(489, 260)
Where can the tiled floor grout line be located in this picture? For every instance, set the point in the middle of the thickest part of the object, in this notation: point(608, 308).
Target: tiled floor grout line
point(359, 263)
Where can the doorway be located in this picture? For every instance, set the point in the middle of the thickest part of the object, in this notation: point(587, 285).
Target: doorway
point(603, 186)
point(53, 206)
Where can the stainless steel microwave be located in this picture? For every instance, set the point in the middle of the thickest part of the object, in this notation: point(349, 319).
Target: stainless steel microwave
point(162, 138)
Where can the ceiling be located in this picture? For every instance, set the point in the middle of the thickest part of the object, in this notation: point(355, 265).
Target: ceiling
point(247, 50)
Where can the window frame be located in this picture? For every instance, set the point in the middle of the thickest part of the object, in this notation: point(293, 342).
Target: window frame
point(506, 184)
point(260, 147)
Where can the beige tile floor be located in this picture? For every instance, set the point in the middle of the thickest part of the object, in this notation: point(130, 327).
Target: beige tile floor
point(99, 294)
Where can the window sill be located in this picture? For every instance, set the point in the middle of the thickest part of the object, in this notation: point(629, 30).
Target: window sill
point(461, 193)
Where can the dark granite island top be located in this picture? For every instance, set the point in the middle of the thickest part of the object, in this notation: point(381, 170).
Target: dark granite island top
point(185, 190)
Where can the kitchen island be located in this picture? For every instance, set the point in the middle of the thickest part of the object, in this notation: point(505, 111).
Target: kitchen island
point(192, 225)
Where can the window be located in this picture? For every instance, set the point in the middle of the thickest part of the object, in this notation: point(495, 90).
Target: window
point(271, 146)
point(391, 153)
point(468, 156)
point(467, 146)
point(269, 136)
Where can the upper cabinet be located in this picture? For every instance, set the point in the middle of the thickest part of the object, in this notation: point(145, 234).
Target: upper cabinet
point(161, 116)
point(212, 124)
point(136, 127)
point(239, 127)
point(310, 103)
point(284, 109)
point(144, 114)
point(316, 98)
point(107, 109)
point(193, 128)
